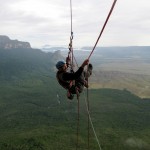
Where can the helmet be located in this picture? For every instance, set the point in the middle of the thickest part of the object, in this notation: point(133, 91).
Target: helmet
point(60, 64)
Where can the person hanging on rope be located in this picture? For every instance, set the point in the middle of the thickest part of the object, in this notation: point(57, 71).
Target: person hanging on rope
point(73, 82)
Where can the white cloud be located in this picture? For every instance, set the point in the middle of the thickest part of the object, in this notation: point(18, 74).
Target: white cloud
point(48, 21)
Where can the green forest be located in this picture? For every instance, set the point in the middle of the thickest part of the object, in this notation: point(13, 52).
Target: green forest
point(36, 115)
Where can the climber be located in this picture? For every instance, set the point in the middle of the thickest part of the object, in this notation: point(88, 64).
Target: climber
point(73, 82)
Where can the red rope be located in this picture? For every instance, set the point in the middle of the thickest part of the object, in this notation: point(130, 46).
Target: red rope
point(112, 7)
point(71, 55)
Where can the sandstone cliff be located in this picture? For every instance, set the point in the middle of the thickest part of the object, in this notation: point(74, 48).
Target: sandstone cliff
point(7, 43)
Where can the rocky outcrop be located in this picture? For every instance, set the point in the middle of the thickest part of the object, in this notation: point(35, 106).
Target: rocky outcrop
point(7, 43)
point(56, 56)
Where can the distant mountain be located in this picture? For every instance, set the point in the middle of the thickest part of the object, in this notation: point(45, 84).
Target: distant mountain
point(35, 113)
point(7, 43)
point(115, 52)
point(19, 62)
point(49, 48)
point(17, 59)
point(119, 51)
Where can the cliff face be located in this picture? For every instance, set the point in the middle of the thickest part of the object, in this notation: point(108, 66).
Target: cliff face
point(7, 43)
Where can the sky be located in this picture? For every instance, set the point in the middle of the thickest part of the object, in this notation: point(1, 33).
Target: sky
point(48, 22)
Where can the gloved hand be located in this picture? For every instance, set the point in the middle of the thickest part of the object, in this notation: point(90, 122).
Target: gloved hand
point(85, 63)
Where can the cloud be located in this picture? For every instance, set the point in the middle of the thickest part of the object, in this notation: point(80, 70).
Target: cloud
point(49, 21)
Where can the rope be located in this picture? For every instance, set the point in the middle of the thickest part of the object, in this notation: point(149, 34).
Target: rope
point(72, 57)
point(71, 16)
point(72, 65)
point(90, 119)
point(112, 7)
point(70, 47)
point(71, 36)
point(87, 100)
point(88, 108)
point(78, 122)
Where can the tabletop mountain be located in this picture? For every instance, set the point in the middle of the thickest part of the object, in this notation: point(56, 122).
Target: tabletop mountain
point(7, 43)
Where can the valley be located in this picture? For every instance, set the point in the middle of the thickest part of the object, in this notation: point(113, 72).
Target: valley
point(36, 115)
point(119, 68)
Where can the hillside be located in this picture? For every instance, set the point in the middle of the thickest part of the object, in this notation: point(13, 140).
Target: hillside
point(16, 63)
point(119, 68)
point(35, 114)
point(138, 84)
point(33, 117)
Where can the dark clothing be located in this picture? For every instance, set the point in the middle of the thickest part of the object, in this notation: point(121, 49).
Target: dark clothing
point(72, 76)
point(64, 79)
point(74, 83)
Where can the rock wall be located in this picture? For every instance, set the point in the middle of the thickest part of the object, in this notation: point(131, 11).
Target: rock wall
point(7, 43)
